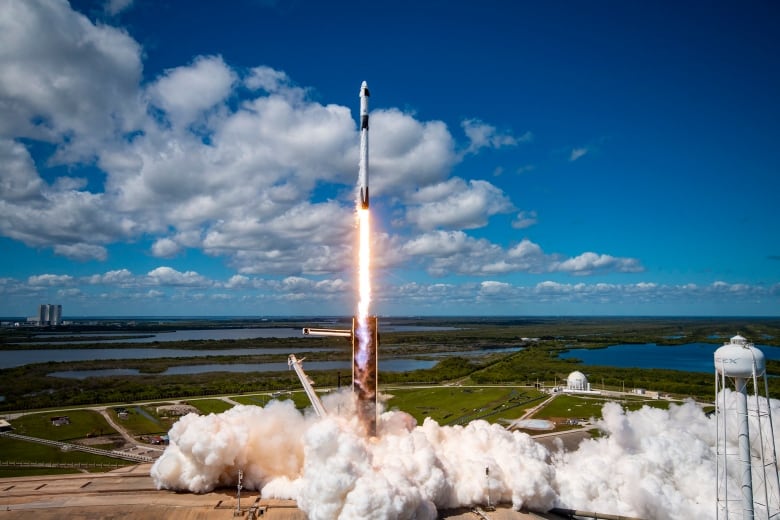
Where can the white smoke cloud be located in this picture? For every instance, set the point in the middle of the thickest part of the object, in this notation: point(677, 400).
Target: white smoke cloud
point(650, 463)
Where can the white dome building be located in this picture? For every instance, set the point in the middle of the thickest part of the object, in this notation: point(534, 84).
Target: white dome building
point(577, 382)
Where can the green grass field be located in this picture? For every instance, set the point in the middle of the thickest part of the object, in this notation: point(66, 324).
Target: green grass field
point(299, 398)
point(23, 451)
point(568, 406)
point(207, 406)
point(83, 423)
point(455, 405)
point(141, 420)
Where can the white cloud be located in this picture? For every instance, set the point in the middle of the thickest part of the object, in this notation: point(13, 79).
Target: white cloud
point(186, 92)
point(19, 182)
point(482, 135)
point(494, 289)
point(524, 219)
point(454, 252)
point(268, 79)
point(406, 152)
point(80, 79)
point(165, 248)
point(50, 280)
point(457, 204)
point(589, 262)
point(206, 168)
point(439, 243)
point(114, 7)
point(118, 277)
point(167, 276)
point(238, 281)
point(81, 251)
point(576, 153)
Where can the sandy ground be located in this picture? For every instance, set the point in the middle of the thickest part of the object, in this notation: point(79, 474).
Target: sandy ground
point(128, 493)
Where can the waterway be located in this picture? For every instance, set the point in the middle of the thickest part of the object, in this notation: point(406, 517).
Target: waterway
point(15, 358)
point(690, 357)
point(208, 334)
point(388, 365)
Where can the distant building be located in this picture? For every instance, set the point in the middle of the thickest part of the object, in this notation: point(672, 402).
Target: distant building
point(59, 420)
point(577, 382)
point(49, 314)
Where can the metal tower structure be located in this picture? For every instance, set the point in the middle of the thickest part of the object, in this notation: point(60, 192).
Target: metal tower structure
point(754, 465)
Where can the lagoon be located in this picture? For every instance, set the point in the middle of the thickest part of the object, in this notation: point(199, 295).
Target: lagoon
point(207, 334)
point(690, 357)
point(388, 365)
point(16, 358)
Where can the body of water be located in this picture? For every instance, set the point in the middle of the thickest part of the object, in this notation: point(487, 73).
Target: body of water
point(690, 357)
point(177, 335)
point(388, 365)
point(209, 334)
point(16, 358)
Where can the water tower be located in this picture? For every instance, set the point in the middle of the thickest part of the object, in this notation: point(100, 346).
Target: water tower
point(741, 363)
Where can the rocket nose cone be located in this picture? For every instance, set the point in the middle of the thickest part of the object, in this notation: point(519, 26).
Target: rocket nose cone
point(364, 85)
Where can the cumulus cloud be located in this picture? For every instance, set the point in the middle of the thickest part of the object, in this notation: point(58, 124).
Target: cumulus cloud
point(19, 181)
point(191, 164)
point(455, 252)
point(457, 204)
point(406, 152)
point(118, 277)
point(79, 81)
point(184, 93)
point(171, 277)
point(165, 248)
point(588, 263)
point(268, 79)
point(51, 279)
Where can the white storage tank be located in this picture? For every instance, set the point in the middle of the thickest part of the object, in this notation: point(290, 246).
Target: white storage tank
point(739, 358)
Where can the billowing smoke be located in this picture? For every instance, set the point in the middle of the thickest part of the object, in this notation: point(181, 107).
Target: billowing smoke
point(649, 463)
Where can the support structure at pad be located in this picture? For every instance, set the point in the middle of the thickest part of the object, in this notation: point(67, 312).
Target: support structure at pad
point(365, 371)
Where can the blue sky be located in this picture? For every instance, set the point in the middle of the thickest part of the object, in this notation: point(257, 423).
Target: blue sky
point(527, 158)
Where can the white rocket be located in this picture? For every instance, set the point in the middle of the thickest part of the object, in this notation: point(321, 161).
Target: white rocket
point(363, 172)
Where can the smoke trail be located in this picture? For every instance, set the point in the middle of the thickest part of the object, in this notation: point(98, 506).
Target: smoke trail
point(650, 463)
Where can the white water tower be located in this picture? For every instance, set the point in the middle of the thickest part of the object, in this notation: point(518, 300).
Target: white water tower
point(755, 461)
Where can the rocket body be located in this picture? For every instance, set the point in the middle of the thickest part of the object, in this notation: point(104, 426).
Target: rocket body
point(363, 172)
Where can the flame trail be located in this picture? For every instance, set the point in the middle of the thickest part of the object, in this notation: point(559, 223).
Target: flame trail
point(364, 276)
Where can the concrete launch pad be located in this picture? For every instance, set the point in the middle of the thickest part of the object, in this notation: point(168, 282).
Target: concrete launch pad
point(129, 493)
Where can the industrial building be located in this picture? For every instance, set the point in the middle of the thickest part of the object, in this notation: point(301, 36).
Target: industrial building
point(49, 315)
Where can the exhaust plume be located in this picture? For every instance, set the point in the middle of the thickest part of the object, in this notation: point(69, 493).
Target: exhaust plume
point(650, 463)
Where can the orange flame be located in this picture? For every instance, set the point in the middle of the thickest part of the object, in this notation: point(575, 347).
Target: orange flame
point(364, 272)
